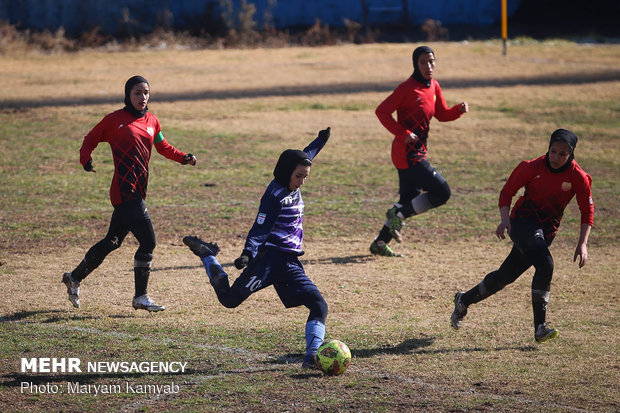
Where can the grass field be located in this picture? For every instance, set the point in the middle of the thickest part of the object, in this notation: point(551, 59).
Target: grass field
point(236, 110)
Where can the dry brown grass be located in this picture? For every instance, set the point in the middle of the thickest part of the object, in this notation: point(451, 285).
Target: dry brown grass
point(237, 109)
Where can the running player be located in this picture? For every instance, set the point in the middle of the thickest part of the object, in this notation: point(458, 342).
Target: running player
point(131, 133)
point(421, 186)
point(272, 248)
point(550, 183)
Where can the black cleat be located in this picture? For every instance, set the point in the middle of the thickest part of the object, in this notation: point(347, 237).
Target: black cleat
point(544, 333)
point(460, 311)
point(310, 362)
point(199, 247)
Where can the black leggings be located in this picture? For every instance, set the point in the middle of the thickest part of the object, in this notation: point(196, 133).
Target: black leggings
point(422, 176)
point(530, 248)
point(128, 217)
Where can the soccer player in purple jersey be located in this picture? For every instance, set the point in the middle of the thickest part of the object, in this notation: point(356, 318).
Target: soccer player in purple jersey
point(272, 248)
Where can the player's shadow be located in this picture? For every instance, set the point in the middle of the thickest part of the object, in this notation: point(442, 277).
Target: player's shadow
point(53, 316)
point(408, 346)
point(478, 349)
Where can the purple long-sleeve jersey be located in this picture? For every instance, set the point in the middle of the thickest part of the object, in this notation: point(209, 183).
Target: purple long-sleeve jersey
point(279, 222)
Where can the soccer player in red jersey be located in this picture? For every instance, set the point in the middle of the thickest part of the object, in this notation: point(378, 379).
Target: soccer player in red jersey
point(131, 133)
point(416, 101)
point(550, 182)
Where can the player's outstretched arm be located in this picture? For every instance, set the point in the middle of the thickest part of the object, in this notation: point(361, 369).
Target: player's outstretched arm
point(317, 144)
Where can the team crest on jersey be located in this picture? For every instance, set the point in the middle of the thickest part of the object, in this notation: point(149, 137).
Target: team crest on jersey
point(287, 200)
point(150, 130)
point(566, 186)
point(260, 219)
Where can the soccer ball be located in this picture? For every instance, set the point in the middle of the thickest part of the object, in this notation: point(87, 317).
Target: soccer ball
point(333, 357)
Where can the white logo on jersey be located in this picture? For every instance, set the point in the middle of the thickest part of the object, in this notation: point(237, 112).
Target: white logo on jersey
point(120, 126)
point(150, 130)
point(287, 200)
point(260, 219)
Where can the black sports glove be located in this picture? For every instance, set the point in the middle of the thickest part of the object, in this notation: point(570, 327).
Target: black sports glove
point(324, 134)
point(88, 166)
point(243, 260)
point(187, 158)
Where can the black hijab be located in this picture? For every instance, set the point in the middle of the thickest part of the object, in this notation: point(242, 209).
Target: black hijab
point(416, 71)
point(569, 138)
point(288, 161)
point(128, 86)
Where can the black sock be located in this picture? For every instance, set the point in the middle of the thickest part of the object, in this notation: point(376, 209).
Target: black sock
point(82, 270)
point(472, 296)
point(406, 210)
point(540, 312)
point(141, 278)
point(384, 235)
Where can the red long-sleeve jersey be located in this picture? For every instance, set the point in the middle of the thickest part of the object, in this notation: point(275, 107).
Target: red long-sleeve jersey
point(547, 194)
point(131, 140)
point(415, 105)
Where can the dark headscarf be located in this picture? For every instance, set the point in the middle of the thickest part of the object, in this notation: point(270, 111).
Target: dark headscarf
point(416, 71)
point(569, 138)
point(128, 86)
point(288, 161)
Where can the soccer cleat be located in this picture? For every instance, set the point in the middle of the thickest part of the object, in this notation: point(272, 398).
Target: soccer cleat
point(310, 362)
point(199, 247)
point(394, 223)
point(460, 311)
point(381, 248)
point(144, 302)
point(544, 333)
point(73, 289)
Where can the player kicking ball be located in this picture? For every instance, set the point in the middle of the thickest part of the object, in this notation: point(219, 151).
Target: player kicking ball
point(272, 248)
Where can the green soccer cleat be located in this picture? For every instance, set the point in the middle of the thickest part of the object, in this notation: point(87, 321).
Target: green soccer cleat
point(544, 333)
point(381, 248)
point(394, 223)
